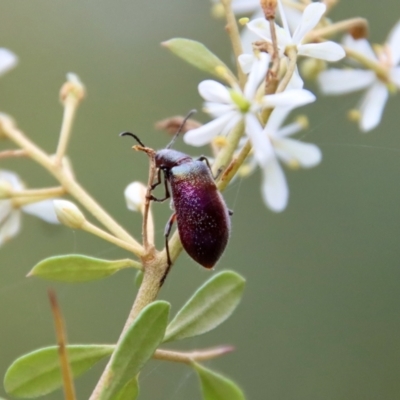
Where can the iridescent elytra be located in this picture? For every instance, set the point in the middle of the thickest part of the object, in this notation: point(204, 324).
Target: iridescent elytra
point(200, 211)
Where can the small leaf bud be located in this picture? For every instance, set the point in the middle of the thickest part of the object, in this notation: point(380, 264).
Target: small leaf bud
point(69, 214)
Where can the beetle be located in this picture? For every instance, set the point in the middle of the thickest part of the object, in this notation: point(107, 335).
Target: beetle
point(200, 211)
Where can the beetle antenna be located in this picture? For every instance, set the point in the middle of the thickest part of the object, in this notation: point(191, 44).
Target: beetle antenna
point(190, 113)
point(134, 136)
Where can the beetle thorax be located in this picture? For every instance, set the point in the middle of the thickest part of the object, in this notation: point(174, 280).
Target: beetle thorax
point(168, 158)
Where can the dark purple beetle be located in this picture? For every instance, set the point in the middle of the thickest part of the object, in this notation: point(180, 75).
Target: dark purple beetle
point(200, 211)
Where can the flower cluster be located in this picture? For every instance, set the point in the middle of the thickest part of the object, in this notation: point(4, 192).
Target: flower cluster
point(300, 33)
point(231, 105)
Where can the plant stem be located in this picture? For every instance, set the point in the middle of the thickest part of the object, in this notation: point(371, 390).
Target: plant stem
point(154, 271)
point(68, 382)
point(67, 181)
point(338, 27)
point(89, 227)
point(70, 107)
point(291, 52)
point(190, 356)
point(44, 192)
point(234, 35)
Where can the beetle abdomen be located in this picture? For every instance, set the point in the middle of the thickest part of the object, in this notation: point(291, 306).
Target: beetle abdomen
point(202, 216)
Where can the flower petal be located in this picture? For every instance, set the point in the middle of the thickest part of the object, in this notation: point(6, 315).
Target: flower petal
point(310, 18)
point(43, 209)
point(256, 75)
point(393, 42)
point(260, 26)
point(295, 81)
point(360, 46)
point(329, 51)
point(12, 178)
point(217, 109)
point(214, 91)
point(292, 151)
point(372, 106)
point(339, 81)
point(10, 227)
point(290, 129)
point(293, 17)
point(275, 191)
point(246, 62)
point(395, 76)
point(288, 98)
point(245, 6)
point(276, 119)
point(261, 144)
point(5, 209)
point(8, 60)
point(204, 134)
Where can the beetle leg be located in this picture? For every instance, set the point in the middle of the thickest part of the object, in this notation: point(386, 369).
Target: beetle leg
point(230, 212)
point(203, 158)
point(154, 185)
point(167, 232)
point(167, 194)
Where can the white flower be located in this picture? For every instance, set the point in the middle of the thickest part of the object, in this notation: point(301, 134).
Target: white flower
point(340, 81)
point(292, 15)
point(8, 60)
point(135, 196)
point(272, 145)
point(329, 51)
point(10, 217)
point(229, 106)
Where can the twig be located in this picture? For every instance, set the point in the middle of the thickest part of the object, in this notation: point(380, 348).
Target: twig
point(190, 356)
point(68, 383)
point(234, 35)
point(13, 154)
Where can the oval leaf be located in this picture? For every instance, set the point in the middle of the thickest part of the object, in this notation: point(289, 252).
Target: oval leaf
point(130, 391)
point(210, 305)
point(38, 373)
point(200, 56)
point(217, 387)
point(138, 344)
point(78, 268)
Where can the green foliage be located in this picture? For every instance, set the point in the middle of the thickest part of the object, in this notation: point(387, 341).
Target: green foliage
point(198, 55)
point(210, 305)
point(130, 391)
point(77, 268)
point(139, 278)
point(139, 343)
point(38, 373)
point(217, 387)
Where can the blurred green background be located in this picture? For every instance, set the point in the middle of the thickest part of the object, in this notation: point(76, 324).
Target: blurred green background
point(320, 316)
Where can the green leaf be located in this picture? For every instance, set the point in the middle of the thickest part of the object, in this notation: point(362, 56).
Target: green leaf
point(130, 391)
point(38, 373)
point(78, 268)
point(138, 344)
point(211, 305)
point(139, 278)
point(217, 387)
point(201, 57)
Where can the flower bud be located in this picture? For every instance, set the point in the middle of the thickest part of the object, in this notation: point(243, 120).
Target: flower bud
point(73, 87)
point(6, 189)
point(135, 196)
point(69, 214)
point(311, 68)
